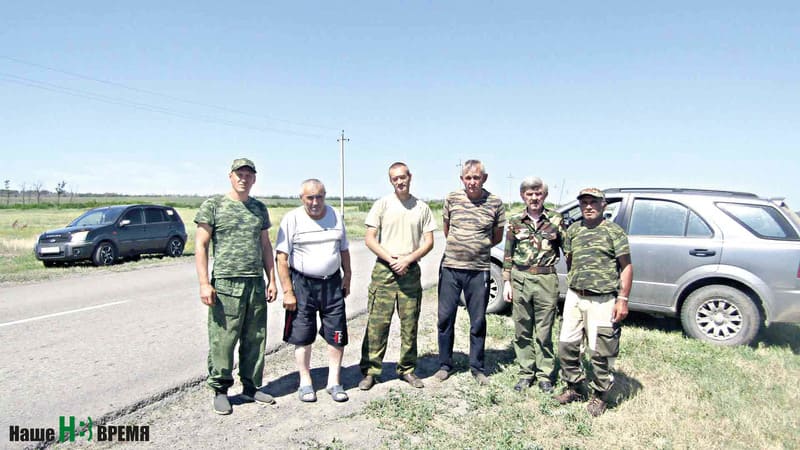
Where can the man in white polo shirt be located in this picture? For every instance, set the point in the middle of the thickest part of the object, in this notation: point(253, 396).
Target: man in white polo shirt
point(314, 269)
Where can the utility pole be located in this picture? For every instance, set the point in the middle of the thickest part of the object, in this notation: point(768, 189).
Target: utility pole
point(460, 168)
point(510, 181)
point(563, 180)
point(341, 142)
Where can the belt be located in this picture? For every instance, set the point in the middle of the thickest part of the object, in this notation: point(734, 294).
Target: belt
point(588, 293)
point(537, 270)
point(314, 277)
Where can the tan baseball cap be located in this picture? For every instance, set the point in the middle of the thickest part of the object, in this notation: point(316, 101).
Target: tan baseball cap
point(242, 162)
point(592, 192)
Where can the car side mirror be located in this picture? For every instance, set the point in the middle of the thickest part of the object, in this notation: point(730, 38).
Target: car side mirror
point(567, 220)
point(124, 222)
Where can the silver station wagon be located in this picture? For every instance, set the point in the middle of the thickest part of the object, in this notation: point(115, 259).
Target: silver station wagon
point(725, 262)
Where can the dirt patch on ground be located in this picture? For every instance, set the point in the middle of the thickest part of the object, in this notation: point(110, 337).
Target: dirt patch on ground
point(186, 420)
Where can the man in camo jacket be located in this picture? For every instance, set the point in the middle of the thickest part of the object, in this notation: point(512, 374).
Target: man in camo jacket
point(533, 246)
point(236, 294)
point(599, 280)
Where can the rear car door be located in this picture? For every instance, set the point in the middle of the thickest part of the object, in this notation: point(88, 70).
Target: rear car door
point(157, 230)
point(669, 242)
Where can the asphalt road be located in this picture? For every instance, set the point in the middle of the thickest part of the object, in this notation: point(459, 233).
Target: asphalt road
point(98, 344)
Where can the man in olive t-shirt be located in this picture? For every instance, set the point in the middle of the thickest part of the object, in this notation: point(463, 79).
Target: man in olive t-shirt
point(236, 294)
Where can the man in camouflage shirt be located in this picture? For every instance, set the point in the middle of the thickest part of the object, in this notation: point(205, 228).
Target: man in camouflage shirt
point(599, 280)
point(473, 223)
point(236, 294)
point(533, 243)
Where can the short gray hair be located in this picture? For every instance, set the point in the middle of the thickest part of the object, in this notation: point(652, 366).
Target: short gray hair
point(532, 183)
point(312, 182)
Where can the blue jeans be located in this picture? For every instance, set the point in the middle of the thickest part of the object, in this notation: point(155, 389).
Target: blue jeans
point(475, 285)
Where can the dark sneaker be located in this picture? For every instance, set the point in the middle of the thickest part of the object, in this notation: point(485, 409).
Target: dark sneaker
point(257, 396)
point(221, 404)
point(480, 377)
point(366, 383)
point(523, 384)
point(569, 395)
point(413, 380)
point(596, 406)
point(546, 386)
point(442, 374)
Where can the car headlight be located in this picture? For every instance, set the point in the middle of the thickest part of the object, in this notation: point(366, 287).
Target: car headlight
point(80, 236)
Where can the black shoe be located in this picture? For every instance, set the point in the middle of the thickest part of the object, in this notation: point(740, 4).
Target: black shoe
point(413, 380)
point(522, 384)
point(366, 383)
point(546, 386)
point(221, 404)
point(257, 396)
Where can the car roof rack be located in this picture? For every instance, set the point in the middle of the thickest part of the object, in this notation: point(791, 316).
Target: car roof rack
point(684, 191)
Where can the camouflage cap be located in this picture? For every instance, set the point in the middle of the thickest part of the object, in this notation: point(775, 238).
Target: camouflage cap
point(242, 162)
point(593, 192)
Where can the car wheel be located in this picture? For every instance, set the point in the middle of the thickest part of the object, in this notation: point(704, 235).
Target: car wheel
point(497, 304)
point(174, 247)
point(104, 254)
point(721, 315)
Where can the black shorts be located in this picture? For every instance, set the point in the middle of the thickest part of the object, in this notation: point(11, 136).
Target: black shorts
point(316, 295)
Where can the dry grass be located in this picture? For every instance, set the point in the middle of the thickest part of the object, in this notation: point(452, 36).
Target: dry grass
point(670, 392)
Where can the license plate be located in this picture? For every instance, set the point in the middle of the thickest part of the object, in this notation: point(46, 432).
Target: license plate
point(49, 250)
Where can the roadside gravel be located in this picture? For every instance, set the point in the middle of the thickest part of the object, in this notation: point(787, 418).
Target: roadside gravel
point(185, 419)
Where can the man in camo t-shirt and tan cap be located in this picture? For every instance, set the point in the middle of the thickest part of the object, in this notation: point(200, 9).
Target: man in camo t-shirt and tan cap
point(599, 280)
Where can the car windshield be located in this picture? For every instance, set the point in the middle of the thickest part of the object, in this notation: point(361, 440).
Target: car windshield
point(99, 216)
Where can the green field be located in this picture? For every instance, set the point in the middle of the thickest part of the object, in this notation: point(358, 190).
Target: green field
point(20, 227)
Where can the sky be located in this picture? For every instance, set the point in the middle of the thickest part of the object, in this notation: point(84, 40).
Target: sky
point(154, 97)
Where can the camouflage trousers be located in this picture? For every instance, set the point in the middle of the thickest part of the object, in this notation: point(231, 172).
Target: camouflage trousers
point(589, 318)
point(386, 291)
point(238, 314)
point(534, 312)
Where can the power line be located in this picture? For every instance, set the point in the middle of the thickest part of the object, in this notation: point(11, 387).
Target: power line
point(141, 106)
point(160, 94)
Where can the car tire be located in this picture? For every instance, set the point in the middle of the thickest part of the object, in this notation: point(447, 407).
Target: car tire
point(497, 304)
point(105, 254)
point(721, 315)
point(174, 247)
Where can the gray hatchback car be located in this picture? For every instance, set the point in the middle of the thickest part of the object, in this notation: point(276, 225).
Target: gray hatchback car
point(103, 235)
point(725, 262)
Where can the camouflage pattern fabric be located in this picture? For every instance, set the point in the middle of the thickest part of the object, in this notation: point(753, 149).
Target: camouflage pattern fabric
point(533, 244)
point(534, 313)
point(385, 291)
point(594, 256)
point(236, 235)
point(238, 314)
point(469, 240)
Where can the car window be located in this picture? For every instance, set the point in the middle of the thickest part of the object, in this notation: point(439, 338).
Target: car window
point(154, 215)
point(97, 217)
point(134, 215)
point(762, 220)
point(665, 218)
point(574, 214)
